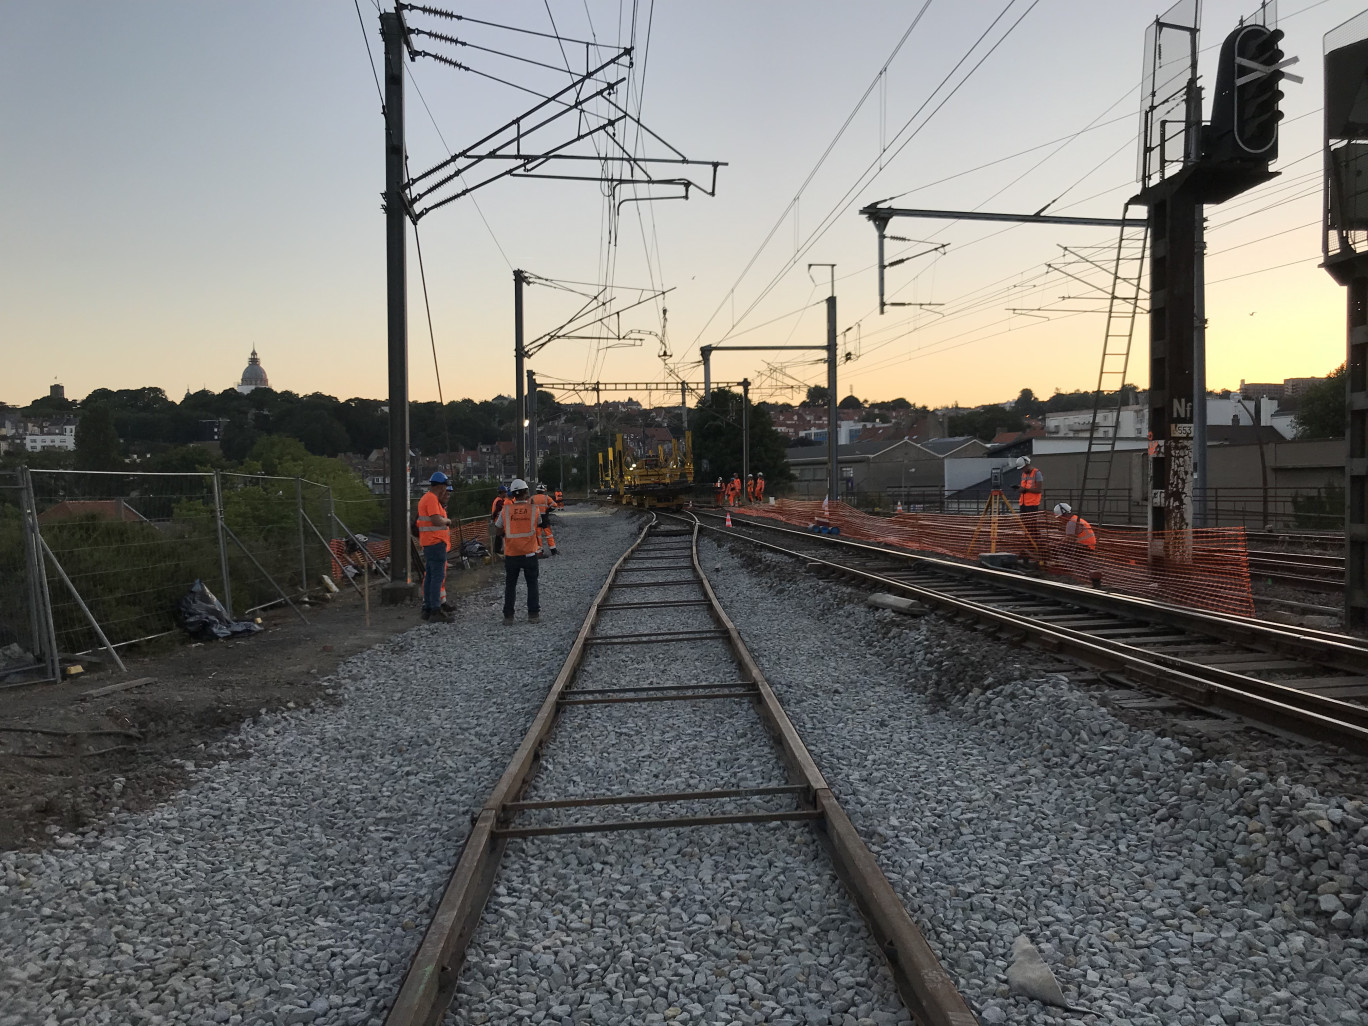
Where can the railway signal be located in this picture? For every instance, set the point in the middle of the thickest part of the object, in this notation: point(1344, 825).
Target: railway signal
point(1244, 112)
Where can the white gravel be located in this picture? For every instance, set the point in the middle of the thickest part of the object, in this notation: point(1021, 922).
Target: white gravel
point(1161, 888)
point(291, 882)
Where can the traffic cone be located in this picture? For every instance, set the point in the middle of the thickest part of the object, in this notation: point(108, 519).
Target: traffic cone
point(899, 509)
point(729, 520)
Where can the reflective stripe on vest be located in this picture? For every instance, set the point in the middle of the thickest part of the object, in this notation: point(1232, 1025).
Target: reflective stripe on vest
point(522, 540)
point(1030, 477)
point(1083, 532)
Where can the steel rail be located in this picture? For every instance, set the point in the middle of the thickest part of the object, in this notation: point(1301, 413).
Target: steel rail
point(430, 982)
point(1326, 648)
point(1268, 702)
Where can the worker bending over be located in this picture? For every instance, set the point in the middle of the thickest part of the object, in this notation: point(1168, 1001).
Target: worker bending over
point(1078, 544)
point(734, 490)
point(517, 525)
point(435, 540)
point(543, 503)
point(760, 486)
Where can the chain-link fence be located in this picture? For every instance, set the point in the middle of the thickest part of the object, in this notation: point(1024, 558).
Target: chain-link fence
point(93, 561)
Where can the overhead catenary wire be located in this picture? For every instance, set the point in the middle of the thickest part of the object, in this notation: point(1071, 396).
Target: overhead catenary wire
point(865, 177)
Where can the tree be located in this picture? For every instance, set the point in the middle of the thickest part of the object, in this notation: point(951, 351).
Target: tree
point(717, 440)
point(984, 424)
point(816, 396)
point(850, 403)
point(1027, 404)
point(97, 443)
point(1322, 410)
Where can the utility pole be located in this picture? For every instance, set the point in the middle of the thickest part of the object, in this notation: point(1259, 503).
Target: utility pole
point(400, 587)
point(519, 354)
point(531, 423)
point(833, 472)
point(745, 431)
point(706, 352)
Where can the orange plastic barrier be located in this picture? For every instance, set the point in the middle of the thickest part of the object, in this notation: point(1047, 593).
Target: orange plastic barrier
point(1214, 577)
point(338, 546)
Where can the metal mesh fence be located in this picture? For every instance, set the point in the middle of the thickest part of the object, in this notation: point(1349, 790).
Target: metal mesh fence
point(121, 549)
point(27, 650)
point(95, 561)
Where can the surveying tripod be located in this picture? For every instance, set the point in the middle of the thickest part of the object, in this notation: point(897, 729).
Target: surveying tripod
point(995, 509)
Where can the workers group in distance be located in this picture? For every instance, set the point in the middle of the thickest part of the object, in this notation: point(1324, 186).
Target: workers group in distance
point(729, 493)
point(1076, 544)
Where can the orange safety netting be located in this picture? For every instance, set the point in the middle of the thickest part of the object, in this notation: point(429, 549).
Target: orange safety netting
point(1214, 577)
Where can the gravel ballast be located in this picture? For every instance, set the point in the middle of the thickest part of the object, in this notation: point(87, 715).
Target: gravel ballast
point(743, 924)
point(1160, 887)
point(292, 881)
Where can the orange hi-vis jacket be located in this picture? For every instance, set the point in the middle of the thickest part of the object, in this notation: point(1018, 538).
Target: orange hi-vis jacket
point(1081, 532)
point(430, 506)
point(543, 503)
point(1032, 488)
point(750, 489)
point(518, 522)
point(759, 489)
point(497, 505)
point(734, 487)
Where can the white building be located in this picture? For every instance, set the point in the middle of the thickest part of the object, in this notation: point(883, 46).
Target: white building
point(1068, 432)
point(49, 433)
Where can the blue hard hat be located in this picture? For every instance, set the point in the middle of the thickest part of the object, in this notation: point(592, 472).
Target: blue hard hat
point(503, 489)
point(440, 479)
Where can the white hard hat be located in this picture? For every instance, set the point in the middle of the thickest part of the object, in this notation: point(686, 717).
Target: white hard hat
point(541, 488)
point(517, 485)
point(1062, 509)
point(1022, 462)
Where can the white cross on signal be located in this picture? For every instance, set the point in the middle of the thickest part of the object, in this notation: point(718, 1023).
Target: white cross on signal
point(1260, 70)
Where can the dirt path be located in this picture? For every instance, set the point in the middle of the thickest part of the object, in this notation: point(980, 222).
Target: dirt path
point(127, 749)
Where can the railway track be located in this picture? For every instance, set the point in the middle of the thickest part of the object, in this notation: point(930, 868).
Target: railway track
point(657, 609)
point(1310, 571)
point(1313, 683)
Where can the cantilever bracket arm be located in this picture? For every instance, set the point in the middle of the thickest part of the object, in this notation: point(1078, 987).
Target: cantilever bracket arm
point(879, 214)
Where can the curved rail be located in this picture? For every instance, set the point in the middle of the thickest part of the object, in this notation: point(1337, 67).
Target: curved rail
point(1318, 716)
point(430, 983)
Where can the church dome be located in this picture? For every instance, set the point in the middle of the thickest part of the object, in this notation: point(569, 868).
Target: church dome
point(254, 376)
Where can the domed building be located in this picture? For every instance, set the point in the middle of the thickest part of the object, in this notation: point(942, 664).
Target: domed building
point(254, 376)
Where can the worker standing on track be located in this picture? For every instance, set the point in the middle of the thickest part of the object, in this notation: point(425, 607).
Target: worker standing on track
point(760, 486)
point(435, 540)
point(1032, 495)
point(517, 525)
point(1078, 544)
point(543, 503)
point(719, 491)
point(750, 488)
point(560, 499)
point(734, 490)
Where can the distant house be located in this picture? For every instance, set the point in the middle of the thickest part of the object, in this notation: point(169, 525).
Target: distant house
point(112, 510)
point(881, 468)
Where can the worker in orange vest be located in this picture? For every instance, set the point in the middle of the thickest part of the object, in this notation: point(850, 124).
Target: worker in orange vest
point(1078, 544)
point(719, 491)
point(517, 525)
point(760, 486)
point(560, 499)
point(499, 499)
point(1032, 495)
point(543, 503)
point(750, 488)
point(435, 540)
point(734, 490)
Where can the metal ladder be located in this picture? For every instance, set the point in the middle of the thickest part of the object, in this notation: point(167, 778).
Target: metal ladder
point(1123, 306)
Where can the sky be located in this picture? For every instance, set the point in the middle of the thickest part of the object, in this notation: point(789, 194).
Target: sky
point(180, 183)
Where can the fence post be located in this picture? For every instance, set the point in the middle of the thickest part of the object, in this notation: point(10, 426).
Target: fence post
point(222, 546)
point(332, 516)
point(44, 629)
point(303, 556)
point(99, 632)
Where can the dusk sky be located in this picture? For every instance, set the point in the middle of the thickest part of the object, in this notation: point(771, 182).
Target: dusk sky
point(181, 182)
